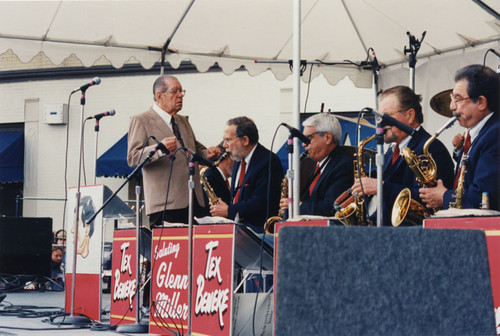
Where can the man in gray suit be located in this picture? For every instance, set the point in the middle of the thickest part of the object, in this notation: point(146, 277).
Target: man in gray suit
point(174, 131)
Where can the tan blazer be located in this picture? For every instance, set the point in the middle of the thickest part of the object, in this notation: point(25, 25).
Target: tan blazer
point(156, 172)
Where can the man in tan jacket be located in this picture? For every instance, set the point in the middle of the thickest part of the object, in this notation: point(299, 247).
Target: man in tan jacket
point(174, 131)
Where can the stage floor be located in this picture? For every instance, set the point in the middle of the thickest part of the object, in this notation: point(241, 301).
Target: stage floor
point(12, 323)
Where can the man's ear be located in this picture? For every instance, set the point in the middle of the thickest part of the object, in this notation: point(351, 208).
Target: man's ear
point(245, 140)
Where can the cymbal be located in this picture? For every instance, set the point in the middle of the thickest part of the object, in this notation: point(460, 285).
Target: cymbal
point(441, 103)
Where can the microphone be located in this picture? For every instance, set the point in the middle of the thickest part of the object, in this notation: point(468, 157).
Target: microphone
point(387, 120)
point(95, 81)
point(297, 134)
point(200, 159)
point(495, 52)
point(161, 147)
point(375, 64)
point(104, 114)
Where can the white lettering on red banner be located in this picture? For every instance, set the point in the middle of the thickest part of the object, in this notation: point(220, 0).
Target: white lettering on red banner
point(127, 289)
point(216, 301)
point(165, 306)
point(166, 250)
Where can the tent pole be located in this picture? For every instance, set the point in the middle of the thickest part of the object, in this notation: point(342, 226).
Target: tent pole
point(294, 211)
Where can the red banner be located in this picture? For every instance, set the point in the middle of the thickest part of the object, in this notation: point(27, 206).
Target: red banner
point(123, 278)
point(169, 281)
point(213, 252)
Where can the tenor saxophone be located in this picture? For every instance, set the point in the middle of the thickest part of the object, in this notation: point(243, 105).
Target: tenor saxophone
point(352, 210)
point(212, 196)
point(425, 169)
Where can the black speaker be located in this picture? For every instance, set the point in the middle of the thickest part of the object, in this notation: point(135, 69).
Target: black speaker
point(383, 281)
point(25, 246)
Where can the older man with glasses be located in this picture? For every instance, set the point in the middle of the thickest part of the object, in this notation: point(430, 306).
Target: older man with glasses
point(475, 99)
point(334, 172)
point(401, 103)
point(163, 123)
point(256, 178)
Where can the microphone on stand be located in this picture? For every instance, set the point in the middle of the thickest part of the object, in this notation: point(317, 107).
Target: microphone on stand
point(376, 66)
point(104, 114)
point(94, 81)
point(197, 157)
point(162, 149)
point(495, 52)
point(297, 134)
point(386, 120)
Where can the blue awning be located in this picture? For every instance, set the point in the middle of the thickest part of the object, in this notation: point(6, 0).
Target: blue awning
point(11, 156)
point(113, 163)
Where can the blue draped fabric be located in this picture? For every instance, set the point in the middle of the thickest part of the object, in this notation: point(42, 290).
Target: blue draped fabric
point(11, 156)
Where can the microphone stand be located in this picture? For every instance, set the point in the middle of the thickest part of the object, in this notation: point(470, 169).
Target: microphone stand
point(190, 245)
point(379, 161)
point(412, 59)
point(72, 319)
point(96, 129)
point(290, 175)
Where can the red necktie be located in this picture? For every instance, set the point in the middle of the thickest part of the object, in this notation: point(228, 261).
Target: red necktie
point(240, 181)
point(466, 150)
point(316, 173)
point(395, 153)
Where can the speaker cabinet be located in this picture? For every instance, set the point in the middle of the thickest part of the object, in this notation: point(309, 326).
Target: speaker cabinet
point(383, 281)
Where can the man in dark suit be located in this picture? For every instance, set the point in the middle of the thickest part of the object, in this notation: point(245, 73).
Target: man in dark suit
point(403, 104)
point(475, 99)
point(333, 173)
point(252, 201)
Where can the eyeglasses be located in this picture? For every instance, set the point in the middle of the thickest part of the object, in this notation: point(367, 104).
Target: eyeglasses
point(311, 136)
point(176, 91)
point(229, 140)
point(456, 99)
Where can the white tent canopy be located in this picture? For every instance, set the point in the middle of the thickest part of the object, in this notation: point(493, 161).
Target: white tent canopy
point(234, 33)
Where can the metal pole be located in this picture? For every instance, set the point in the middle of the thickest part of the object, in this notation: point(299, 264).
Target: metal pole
point(294, 211)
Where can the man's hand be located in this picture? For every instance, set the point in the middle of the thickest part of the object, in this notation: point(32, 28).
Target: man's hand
point(213, 153)
point(369, 186)
point(219, 210)
point(284, 203)
point(458, 141)
point(433, 197)
point(170, 143)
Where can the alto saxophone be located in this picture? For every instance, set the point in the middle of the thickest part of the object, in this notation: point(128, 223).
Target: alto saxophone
point(425, 169)
point(271, 221)
point(212, 196)
point(352, 210)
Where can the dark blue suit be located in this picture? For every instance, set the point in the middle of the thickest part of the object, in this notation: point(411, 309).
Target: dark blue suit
point(337, 177)
point(253, 199)
point(482, 169)
point(399, 176)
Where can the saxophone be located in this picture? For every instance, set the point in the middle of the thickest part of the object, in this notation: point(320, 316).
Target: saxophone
point(425, 169)
point(352, 210)
point(212, 196)
point(460, 191)
point(271, 221)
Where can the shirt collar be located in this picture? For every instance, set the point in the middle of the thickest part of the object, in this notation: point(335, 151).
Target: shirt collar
point(164, 115)
point(474, 131)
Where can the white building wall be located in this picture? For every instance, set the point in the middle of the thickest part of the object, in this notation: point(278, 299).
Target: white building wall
point(211, 99)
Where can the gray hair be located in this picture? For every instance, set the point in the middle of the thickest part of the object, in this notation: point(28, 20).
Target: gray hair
point(325, 122)
point(161, 85)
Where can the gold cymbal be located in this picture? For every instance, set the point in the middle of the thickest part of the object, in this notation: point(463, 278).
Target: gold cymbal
point(441, 103)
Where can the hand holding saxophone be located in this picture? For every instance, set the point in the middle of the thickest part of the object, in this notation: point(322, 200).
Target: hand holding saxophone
point(219, 209)
point(369, 186)
point(433, 197)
